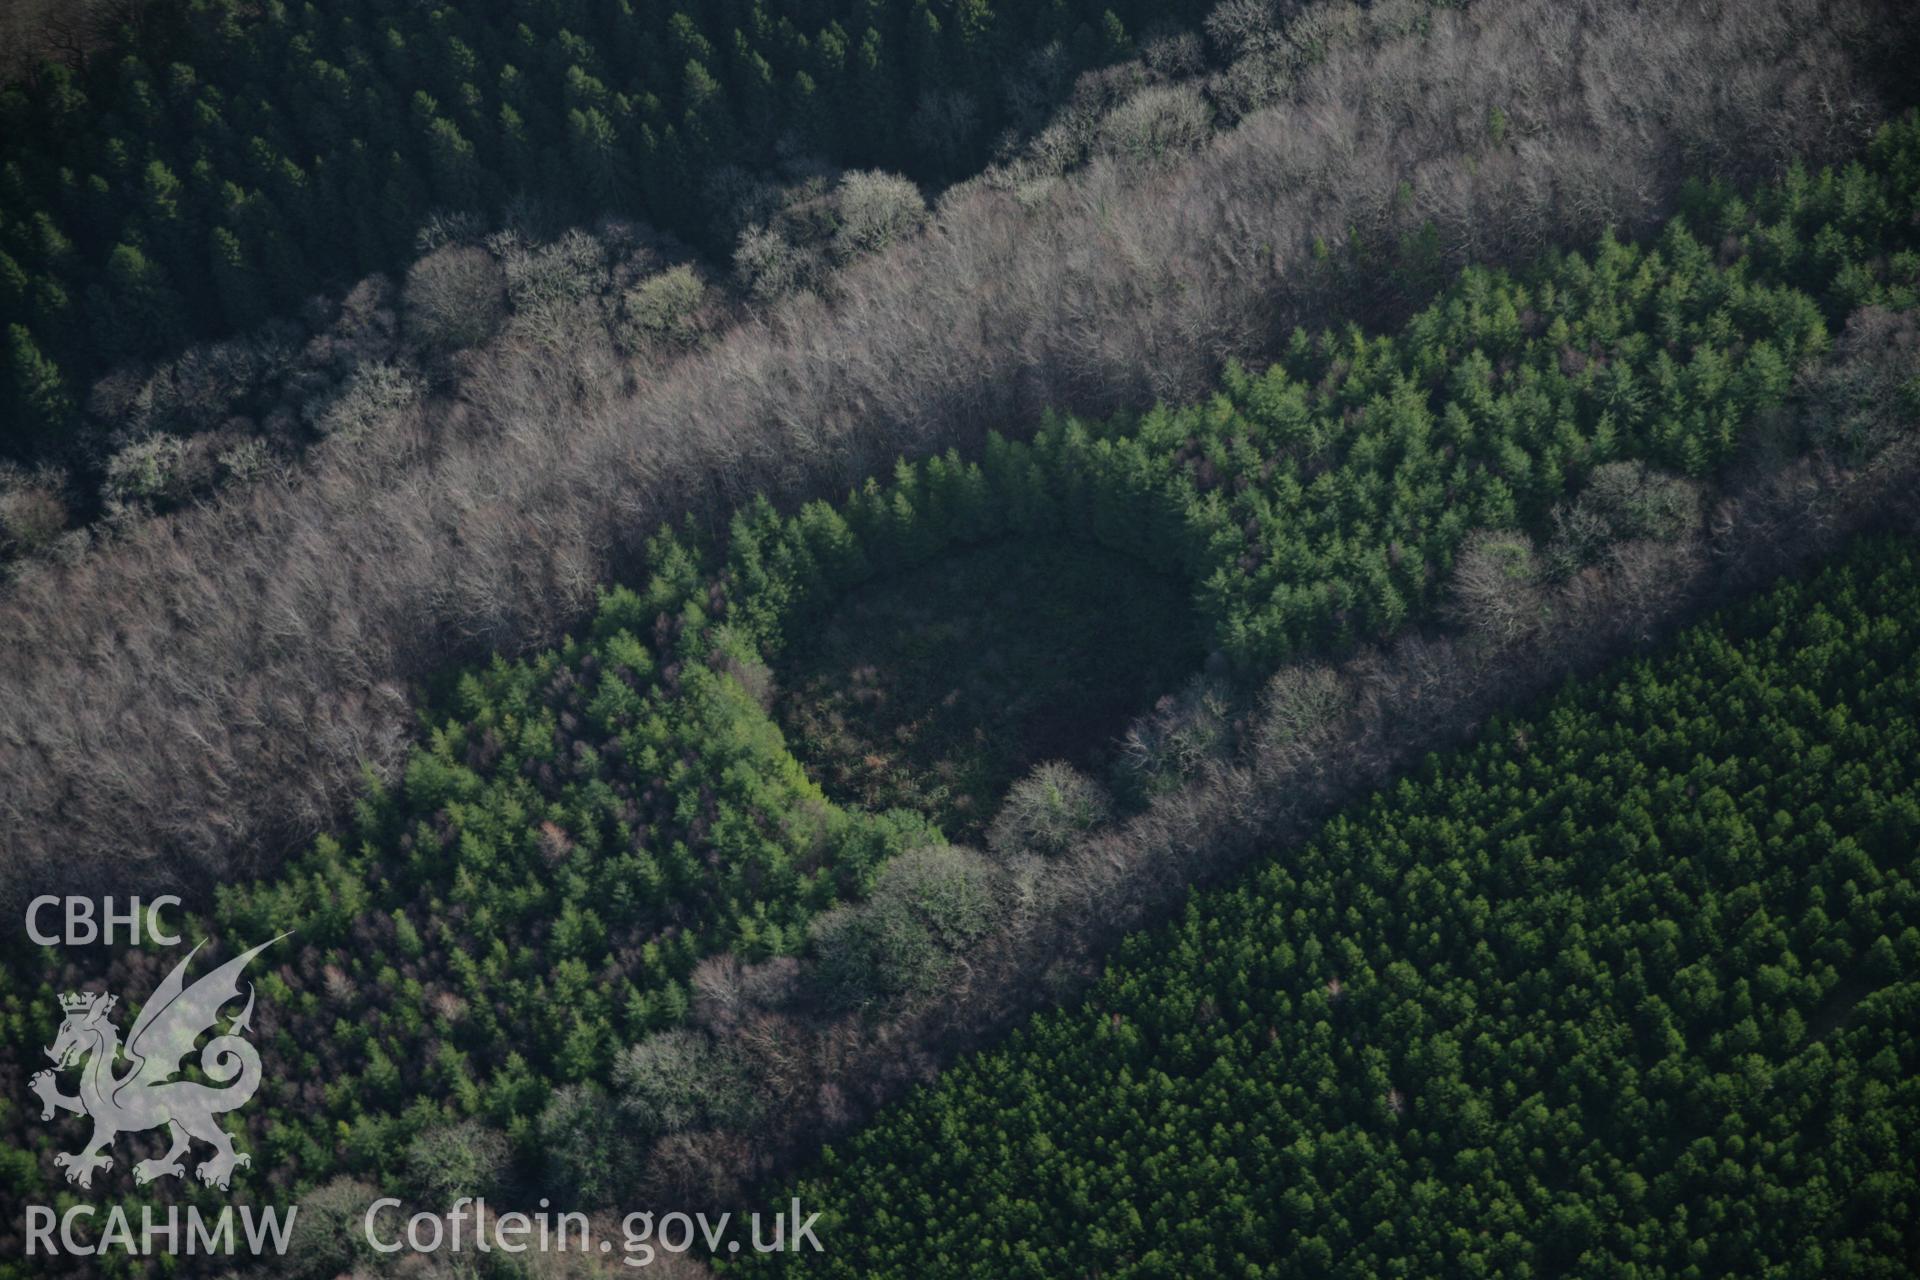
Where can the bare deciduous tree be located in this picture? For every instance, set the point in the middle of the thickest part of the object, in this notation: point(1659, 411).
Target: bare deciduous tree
point(1497, 586)
point(662, 308)
point(33, 508)
point(905, 939)
point(1046, 810)
point(876, 209)
point(1621, 502)
point(674, 1080)
point(456, 297)
point(463, 1158)
point(1157, 126)
point(1869, 396)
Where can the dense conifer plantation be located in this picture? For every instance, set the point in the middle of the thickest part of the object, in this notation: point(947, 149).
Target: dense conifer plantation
point(221, 162)
point(1630, 988)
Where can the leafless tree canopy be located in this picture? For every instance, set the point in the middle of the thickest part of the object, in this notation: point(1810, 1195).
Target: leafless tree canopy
point(1046, 810)
point(456, 297)
point(203, 696)
point(61, 30)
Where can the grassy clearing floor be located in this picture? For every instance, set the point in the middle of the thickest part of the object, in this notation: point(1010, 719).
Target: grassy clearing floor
point(935, 689)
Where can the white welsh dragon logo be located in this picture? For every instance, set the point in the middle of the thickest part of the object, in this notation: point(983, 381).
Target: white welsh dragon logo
point(146, 1096)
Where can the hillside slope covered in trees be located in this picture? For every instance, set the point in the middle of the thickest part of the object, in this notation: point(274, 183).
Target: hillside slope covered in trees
point(1630, 987)
point(506, 948)
point(219, 680)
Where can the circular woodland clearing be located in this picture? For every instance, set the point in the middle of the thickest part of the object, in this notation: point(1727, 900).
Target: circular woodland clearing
point(935, 688)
